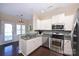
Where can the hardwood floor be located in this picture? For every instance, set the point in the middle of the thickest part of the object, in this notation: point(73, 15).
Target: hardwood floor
point(42, 51)
point(11, 49)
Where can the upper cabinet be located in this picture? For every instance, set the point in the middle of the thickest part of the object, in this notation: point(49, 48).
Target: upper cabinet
point(41, 24)
point(69, 22)
point(58, 19)
point(46, 24)
point(36, 24)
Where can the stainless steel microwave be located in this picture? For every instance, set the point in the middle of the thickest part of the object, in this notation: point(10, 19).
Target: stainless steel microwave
point(58, 27)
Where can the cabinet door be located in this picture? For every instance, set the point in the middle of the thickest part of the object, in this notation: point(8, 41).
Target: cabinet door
point(33, 44)
point(22, 46)
point(58, 19)
point(54, 19)
point(45, 24)
point(67, 47)
point(69, 22)
point(36, 23)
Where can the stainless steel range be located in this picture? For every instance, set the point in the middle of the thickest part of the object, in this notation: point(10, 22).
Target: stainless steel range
point(56, 43)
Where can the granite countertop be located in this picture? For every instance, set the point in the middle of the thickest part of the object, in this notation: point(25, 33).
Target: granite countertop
point(28, 37)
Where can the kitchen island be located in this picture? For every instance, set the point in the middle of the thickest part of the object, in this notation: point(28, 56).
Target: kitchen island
point(27, 46)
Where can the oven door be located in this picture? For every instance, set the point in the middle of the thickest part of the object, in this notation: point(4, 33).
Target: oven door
point(56, 43)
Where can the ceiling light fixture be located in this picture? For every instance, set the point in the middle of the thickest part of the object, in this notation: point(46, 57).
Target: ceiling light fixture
point(20, 20)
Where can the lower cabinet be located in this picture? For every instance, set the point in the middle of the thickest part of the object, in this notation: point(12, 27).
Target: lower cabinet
point(28, 46)
point(68, 46)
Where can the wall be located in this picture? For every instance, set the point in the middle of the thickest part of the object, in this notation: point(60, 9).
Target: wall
point(4, 18)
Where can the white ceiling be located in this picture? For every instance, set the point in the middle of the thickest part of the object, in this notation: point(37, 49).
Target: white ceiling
point(27, 9)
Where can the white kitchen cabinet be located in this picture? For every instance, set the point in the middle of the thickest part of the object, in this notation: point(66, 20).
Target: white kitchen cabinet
point(69, 21)
point(54, 19)
point(42, 24)
point(67, 47)
point(45, 24)
point(58, 19)
point(36, 24)
point(28, 46)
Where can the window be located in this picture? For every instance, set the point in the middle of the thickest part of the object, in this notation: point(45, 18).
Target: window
point(23, 29)
point(8, 32)
point(19, 29)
